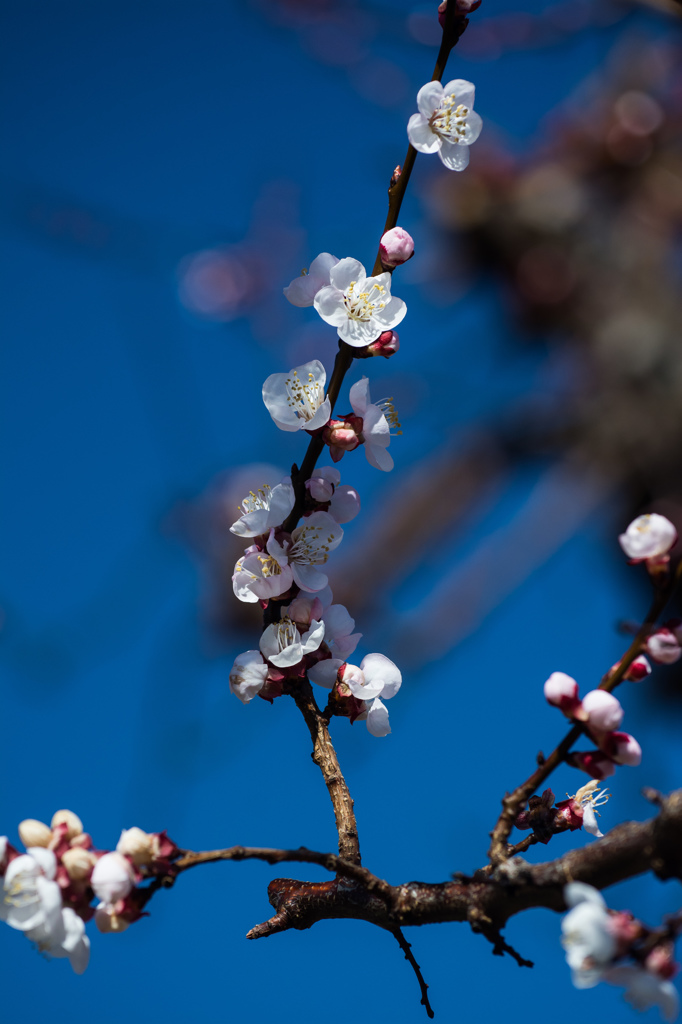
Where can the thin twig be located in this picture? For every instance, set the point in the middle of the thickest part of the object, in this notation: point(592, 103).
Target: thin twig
point(409, 956)
point(513, 802)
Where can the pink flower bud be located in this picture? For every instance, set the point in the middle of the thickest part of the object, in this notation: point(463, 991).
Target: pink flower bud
point(622, 748)
point(396, 247)
point(594, 762)
point(660, 961)
point(604, 711)
point(386, 345)
point(639, 669)
point(561, 691)
point(74, 826)
point(464, 7)
point(112, 878)
point(648, 537)
point(663, 647)
point(342, 435)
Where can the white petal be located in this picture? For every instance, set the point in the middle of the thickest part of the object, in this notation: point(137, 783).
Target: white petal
point(301, 291)
point(454, 155)
point(329, 473)
point(463, 90)
point(359, 396)
point(251, 524)
point(590, 822)
point(429, 98)
point(358, 333)
point(377, 719)
point(309, 578)
point(391, 315)
point(420, 135)
point(281, 502)
point(324, 673)
point(320, 418)
point(344, 646)
point(330, 304)
point(338, 622)
point(379, 457)
point(45, 859)
point(322, 265)
point(473, 126)
point(345, 504)
point(276, 401)
point(580, 892)
point(364, 689)
point(268, 642)
point(290, 656)
point(314, 637)
point(377, 666)
point(345, 271)
point(375, 428)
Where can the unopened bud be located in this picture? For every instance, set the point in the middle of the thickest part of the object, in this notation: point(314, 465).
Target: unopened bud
point(386, 345)
point(660, 961)
point(464, 7)
point(74, 826)
point(594, 762)
point(395, 176)
point(34, 833)
point(396, 247)
point(112, 878)
point(561, 691)
point(622, 748)
point(84, 840)
point(663, 646)
point(639, 669)
point(604, 711)
point(137, 845)
point(78, 863)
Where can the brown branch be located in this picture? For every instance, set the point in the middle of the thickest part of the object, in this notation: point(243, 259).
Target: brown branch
point(326, 760)
point(513, 802)
point(487, 900)
point(409, 956)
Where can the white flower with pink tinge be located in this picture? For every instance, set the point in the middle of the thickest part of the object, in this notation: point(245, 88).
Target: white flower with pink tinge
point(248, 675)
point(265, 508)
point(261, 575)
point(303, 289)
point(446, 123)
point(283, 645)
point(325, 485)
point(112, 878)
point(338, 624)
point(296, 400)
point(648, 537)
point(377, 420)
point(360, 307)
point(588, 798)
point(586, 934)
point(375, 677)
point(643, 989)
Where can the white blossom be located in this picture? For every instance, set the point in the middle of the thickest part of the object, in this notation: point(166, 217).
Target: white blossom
point(378, 418)
point(375, 677)
point(586, 935)
point(648, 536)
point(68, 939)
point(260, 575)
point(338, 624)
point(248, 675)
point(303, 289)
point(264, 508)
point(446, 123)
point(112, 878)
point(311, 544)
point(283, 645)
point(360, 307)
point(32, 900)
point(296, 400)
point(325, 485)
point(644, 990)
point(589, 797)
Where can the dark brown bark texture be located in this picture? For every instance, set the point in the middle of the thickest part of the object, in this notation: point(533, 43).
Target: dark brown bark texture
point(491, 896)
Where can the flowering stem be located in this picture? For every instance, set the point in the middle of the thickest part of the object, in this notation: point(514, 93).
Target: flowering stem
point(512, 803)
point(326, 760)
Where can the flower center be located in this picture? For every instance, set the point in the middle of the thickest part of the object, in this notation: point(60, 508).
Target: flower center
point(256, 500)
point(22, 892)
point(269, 566)
point(387, 407)
point(449, 121)
point(286, 633)
point(363, 305)
point(308, 548)
point(304, 397)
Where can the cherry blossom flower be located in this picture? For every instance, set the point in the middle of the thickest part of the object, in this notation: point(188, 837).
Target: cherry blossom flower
point(260, 575)
point(370, 425)
point(303, 289)
point(32, 897)
point(648, 537)
point(248, 675)
point(68, 939)
point(586, 934)
point(376, 677)
point(446, 123)
point(622, 748)
point(645, 989)
point(112, 878)
point(265, 508)
point(339, 637)
point(579, 811)
point(360, 307)
point(283, 646)
point(663, 646)
point(296, 400)
point(325, 486)
point(310, 545)
point(396, 247)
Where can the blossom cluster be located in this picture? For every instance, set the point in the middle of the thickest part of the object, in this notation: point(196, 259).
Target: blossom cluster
point(47, 892)
point(605, 945)
point(578, 811)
